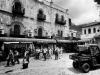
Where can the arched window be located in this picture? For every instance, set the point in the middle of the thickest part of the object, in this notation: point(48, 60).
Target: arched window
point(17, 5)
point(89, 31)
point(59, 33)
point(85, 31)
point(41, 16)
point(17, 8)
point(94, 30)
point(40, 11)
point(62, 18)
point(57, 16)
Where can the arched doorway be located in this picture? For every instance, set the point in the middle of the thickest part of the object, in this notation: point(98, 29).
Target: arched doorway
point(40, 32)
point(17, 30)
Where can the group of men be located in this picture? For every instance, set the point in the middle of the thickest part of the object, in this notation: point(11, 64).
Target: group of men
point(13, 57)
point(47, 52)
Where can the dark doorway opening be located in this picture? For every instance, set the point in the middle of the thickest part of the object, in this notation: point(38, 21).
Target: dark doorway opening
point(17, 30)
point(40, 32)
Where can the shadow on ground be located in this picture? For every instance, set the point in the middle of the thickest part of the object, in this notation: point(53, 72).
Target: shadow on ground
point(74, 70)
point(9, 71)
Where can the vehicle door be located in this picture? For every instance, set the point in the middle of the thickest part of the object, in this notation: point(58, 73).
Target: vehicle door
point(96, 54)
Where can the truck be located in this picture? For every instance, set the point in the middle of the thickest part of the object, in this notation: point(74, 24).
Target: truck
point(87, 58)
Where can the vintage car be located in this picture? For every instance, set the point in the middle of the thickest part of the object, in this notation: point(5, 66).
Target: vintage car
point(87, 58)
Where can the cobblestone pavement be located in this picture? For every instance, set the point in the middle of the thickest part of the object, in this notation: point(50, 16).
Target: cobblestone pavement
point(63, 66)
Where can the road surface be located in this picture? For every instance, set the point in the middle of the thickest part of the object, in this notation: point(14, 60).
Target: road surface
point(63, 66)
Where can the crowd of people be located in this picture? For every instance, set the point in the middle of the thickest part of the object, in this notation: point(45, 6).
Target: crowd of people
point(40, 53)
point(47, 52)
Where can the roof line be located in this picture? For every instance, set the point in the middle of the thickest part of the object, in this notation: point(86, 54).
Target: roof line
point(55, 6)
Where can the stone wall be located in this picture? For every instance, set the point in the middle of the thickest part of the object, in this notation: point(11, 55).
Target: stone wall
point(29, 20)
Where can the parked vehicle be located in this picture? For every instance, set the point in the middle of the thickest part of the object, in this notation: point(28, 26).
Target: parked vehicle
point(87, 58)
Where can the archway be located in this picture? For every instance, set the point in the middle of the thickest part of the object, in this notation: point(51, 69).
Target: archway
point(17, 30)
point(40, 31)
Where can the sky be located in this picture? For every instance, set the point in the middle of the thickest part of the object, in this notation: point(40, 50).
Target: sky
point(80, 11)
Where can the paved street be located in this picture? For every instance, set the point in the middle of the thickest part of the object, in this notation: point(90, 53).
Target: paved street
point(63, 66)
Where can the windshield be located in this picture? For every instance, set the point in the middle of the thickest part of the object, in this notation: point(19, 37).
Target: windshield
point(84, 50)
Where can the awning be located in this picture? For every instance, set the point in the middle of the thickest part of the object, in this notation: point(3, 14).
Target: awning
point(10, 42)
point(85, 40)
point(10, 39)
point(63, 41)
point(30, 40)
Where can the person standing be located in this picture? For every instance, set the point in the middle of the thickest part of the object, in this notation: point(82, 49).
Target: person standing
point(26, 59)
point(10, 58)
point(16, 56)
point(56, 53)
point(50, 53)
point(37, 53)
point(61, 49)
point(26, 56)
point(44, 53)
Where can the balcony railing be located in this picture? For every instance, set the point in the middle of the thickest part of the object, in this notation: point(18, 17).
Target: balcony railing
point(63, 22)
point(59, 21)
point(18, 11)
point(41, 17)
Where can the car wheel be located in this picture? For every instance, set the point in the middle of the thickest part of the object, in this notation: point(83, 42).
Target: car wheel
point(75, 65)
point(85, 67)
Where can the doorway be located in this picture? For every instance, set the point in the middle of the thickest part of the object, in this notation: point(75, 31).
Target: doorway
point(17, 30)
point(40, 31)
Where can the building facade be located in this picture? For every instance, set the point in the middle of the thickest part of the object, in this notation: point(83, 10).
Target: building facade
point(90, 30)
point(75, 31)
point(32, 18)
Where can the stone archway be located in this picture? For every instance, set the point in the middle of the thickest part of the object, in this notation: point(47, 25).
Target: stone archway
point(40, 32)
point(17, 30)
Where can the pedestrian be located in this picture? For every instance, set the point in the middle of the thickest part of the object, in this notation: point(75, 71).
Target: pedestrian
point(56, 53)
point(16, 56)
point(37, 53)
point(41, 53)
point(61, 51)
point(47, 53)
point(26, 59)
point(26, 56)
point(10, 58)
point(44, 53)
point(50, 52)
point(25, 63)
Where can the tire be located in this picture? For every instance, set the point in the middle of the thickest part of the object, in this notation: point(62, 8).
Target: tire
point(85, 67)
point(75, 65)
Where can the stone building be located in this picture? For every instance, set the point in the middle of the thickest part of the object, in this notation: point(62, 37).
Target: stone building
point(75, 31)
point(32, 18)
point(90, 30)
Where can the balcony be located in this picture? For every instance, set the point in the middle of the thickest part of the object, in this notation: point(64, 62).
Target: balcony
point(41, 17)
point(59, 21)
point(63, 22)
point(17, 10)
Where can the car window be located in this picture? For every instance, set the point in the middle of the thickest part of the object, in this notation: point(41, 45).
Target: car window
point(95, 50)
